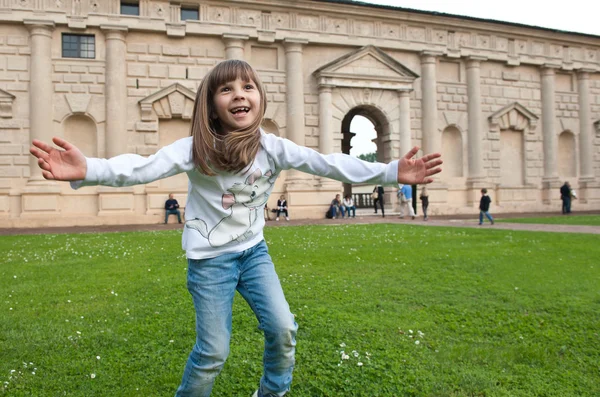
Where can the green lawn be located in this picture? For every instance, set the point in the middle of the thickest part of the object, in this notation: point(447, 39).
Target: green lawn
point(427, 312)
point(580, 220)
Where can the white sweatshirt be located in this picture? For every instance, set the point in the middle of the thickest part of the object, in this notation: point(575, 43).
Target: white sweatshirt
point(224, 213)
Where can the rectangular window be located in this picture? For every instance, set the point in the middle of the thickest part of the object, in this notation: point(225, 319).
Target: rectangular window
point(189, 12)
point(130, 8)
point(78, 46)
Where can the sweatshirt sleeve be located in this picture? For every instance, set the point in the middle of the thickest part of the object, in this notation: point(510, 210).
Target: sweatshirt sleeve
point(342, 167)
point(133, 169)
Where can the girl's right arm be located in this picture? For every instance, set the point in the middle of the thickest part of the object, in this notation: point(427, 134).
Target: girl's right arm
point(123, 170)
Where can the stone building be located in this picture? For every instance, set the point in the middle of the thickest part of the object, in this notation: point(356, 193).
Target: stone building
point(513, 108)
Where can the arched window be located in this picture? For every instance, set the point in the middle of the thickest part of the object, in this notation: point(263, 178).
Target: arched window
point(81, 131)
point(453, 153)
point(567, 166)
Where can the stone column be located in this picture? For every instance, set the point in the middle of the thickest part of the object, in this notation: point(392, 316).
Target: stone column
point(550, 182)
point(294, 89)
point(325, 118)
point(475, 126)
point(475, 132)
point(41, 92)
point(586, 143)
point(40, 198)
point(430, 137)
point(548, 123)
point(586, 137)
point(296, 182)
point(234, 45)
point(405, 133)
point(115, 91)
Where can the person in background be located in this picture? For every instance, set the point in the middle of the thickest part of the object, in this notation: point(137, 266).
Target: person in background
point(349, 205)
point(172, 208)
point(484, 207)
point(282, 207)
point(378, 199)
point(405, 196)
point(424, 202)
point(565, 196)
point(337, 207)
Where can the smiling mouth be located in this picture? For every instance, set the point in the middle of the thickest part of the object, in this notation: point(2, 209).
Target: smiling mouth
point(240, 110)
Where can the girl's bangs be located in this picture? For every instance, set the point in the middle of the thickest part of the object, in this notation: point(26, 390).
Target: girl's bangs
point(230, 71)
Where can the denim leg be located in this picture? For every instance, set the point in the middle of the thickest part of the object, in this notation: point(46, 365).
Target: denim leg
point(166, 216)
point(480, 217)
point(178, 216)
point(489, 216)
point(212, 283)
point(260, 287)
point(343, 210)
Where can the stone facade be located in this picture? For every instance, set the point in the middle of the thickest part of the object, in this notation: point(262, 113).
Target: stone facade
point(512, 108)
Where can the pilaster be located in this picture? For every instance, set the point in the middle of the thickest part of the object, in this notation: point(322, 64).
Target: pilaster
point(234, 45)
point(430, 138)
point(116, 90)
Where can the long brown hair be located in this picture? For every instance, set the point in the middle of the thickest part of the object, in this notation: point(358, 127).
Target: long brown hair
point(212, 150)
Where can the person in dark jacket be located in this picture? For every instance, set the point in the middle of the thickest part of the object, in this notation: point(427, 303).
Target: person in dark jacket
point(378, 198)
point(172, 208)
point(424, 202)
point(565, 196)
point(484, 207)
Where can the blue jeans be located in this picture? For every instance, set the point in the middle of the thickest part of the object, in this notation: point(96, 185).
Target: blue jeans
point(172, 212)
point(212, 283)
point(487, 215)
point(353, 209)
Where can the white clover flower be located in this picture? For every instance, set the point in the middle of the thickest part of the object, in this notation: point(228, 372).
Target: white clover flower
point(92, 376)
point(417, 342)
point(342, 344)
point(359, 364)
point(97, 357)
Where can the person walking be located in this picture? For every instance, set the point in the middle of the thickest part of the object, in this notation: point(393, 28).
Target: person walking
point(424, 197)
point(377, 196)
point(405, 196)
point(484, 207)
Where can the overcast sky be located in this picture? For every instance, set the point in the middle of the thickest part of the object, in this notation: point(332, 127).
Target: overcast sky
point(573, 15)
point(581, 16)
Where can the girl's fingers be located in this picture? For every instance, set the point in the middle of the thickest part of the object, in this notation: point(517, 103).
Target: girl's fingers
point(47, 175)
point(42, 145)
point(62, 143)
point(38, 153)
point(429, 157)
point(433, 171)
point(434, 163)
point(411, 153)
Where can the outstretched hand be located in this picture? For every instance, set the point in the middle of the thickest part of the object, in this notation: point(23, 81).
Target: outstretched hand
point(418, 171)
point(68, 164)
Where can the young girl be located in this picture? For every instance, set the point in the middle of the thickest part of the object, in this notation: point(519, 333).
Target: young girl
point(232, 166)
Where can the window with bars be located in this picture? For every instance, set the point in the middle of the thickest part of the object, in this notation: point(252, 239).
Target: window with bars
point(78, 46)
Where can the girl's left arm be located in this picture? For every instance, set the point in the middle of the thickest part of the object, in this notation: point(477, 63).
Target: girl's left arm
point(338, 166)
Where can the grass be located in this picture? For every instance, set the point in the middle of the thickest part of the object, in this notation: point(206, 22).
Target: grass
point(579, 220)
point(495, 313)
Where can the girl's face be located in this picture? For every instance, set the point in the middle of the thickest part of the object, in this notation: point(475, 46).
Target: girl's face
point(237, 104)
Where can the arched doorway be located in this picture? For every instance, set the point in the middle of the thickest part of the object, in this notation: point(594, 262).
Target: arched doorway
point(369, 142)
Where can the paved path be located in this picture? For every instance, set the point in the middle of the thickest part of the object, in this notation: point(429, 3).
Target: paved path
point(451, 221)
